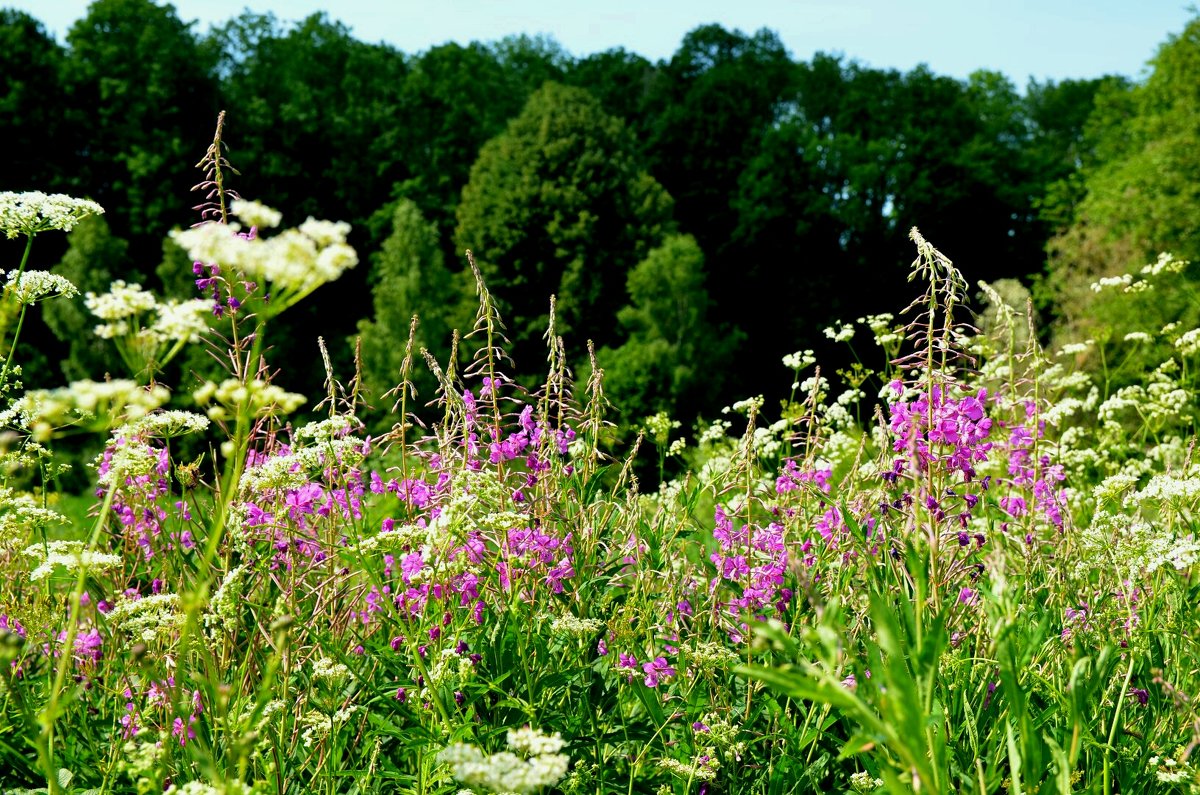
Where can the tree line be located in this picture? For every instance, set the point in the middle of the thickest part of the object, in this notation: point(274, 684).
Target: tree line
point(697, 217)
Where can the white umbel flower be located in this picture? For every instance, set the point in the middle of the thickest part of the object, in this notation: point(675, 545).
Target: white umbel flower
point(69, 555)
point(535, 764)
point(256, 213)
point(122, 301)
point(33, 286)
point(182, 320)
point(33, 212)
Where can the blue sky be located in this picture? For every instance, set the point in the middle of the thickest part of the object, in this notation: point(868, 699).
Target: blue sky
point(1022, 38)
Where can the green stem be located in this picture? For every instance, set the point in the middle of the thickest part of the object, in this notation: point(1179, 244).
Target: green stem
point(49, 714)
point(1112, 730)
point(13, 348)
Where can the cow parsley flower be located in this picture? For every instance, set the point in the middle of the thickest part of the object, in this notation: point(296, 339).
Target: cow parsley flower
point(33, 212)
point(569, 625)
point(534, 762)
point(33, 286)
point(20, 513)
point(1166, 263)
point(256, 214)
point(121, 302)
point(1107, 282)
point(166, 424)
point(181, 321)
point(263, 398)
point(799, 360)
point(324, 668)
point(225, 606)
point(843, 332)
point(148, 617)
point(864, 782)
point(292, 263)
point(70, 555)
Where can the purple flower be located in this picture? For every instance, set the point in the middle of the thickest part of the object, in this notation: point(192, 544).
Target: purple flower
point(656, 670)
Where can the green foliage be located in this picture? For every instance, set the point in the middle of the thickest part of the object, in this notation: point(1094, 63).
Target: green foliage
point(409, 277)
point(94, 258)
point(32, 99)
point(673, 354)
point(143, 86)
point(559, 205)
point(1136, 195)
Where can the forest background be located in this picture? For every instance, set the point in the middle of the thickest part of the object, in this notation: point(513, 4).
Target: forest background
point(698, 217)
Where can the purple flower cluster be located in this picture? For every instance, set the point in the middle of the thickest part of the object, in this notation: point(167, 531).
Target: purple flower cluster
point(938, 428)
point(751, 561)
point(137, 504)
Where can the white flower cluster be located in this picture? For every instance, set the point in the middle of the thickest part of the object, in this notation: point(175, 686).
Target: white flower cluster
point(327, 430)
point(707, 658)
point(533, 763)
point(718, 431)
point(745, 406)
point(318, 726)
point(1112, 281)
point(131, 458)
point(799, 360)
point(864, 782)
point(166, 425)
point(843, 332)
point(256, 213)
point(104, 403)
point(70, 555)
point(33, 286)
point(1189, 342)
point(20, 513)
point(329, 670)
point(194, 788)
point(1076, 348)
point(292, 470)
point(450, 670)
point(697, 770)
point(1135, 546)
point(1179, 492)
point(264, 398)
point(723, 735)
point(660, 426)
point(181, 320)
point(124, 304)
point(881, 326)
point(33, 212)
point(574, 627)
point(1171, 771)
point(148, 617)
point(233, 787)
point(122, 301)
point(1166, 263)
point(293, 261)
point(226, 604)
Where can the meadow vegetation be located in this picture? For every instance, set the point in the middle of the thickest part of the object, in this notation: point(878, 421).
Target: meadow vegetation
point(511, 537)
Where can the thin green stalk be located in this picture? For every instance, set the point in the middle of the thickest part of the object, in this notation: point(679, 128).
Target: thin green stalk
point(1112, 729)
point(49, 714)
point(13, 347)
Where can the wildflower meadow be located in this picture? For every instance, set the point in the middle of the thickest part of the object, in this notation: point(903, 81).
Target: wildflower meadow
point(963, 565)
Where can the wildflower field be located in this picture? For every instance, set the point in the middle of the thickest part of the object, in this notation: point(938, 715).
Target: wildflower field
point(968, 567)
point(603, 447)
